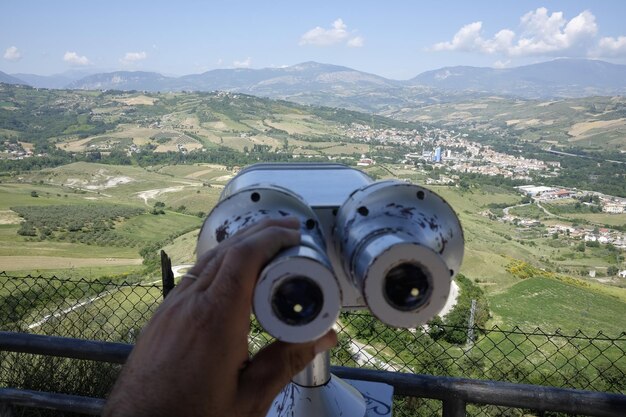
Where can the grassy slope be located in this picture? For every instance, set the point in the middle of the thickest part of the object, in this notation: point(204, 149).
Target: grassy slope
point(536, 120)
point(55, 191)
point(547, 303)
point(149, 227)
point(490, 245)
point(488, 251)
point(183, 249)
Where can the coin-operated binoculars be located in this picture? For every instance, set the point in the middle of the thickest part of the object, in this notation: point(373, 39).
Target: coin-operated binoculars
point(389, 246)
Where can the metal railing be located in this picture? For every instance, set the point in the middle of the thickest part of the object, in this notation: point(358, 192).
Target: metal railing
point(114, 309)
point(454, 393)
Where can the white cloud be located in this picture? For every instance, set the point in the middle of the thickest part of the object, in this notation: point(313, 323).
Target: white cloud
point(12, 54)
point(545, 34)
point(501, 42)
point(502, 64)
point(243, 64)
point(337, 33)
point(612, 46)
point(541, 33)
point(356, 42)
point(132, 57)
point(74, 59)
point(466, 39)
point(469, 39)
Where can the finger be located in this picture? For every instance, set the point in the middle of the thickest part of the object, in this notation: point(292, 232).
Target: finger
point(242, 264)
point(210, 262)
point(274, 366)
point(288, 222)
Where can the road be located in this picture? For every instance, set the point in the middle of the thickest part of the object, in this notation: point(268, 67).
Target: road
point(552, 151)
point(452, 299)
point(360, 352)
point(362, 357)
point(550, 214)
point(81, 304)
point(178, 271)
point(506, 209)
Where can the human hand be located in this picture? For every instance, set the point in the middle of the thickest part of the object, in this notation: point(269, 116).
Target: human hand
point(191, 359)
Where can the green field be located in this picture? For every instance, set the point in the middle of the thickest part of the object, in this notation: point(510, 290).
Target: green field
point(90, 232)
point(82, 185)
point(188, 191)
point(530, 211)
point(590, 122)
point(490, 245)
point(550, 304)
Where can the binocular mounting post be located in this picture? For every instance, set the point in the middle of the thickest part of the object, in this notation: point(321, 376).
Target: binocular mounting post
point(316, 392)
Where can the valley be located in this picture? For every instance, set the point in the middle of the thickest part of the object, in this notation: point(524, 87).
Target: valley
point(155, 164)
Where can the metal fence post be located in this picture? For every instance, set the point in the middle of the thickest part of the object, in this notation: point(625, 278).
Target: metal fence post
point(470, 325)
point(167, 276)
point(453, 407)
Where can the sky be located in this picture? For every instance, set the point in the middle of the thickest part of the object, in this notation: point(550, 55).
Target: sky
point(394, 39)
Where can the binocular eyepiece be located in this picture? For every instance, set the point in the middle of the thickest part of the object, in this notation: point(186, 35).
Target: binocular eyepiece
point(389, 246)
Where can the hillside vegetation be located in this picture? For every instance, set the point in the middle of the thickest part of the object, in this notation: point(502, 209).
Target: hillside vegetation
point(591, 123)
point(122, 175)
point(106, 122)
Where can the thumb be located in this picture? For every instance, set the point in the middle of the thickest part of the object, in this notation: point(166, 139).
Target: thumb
point(274, 366)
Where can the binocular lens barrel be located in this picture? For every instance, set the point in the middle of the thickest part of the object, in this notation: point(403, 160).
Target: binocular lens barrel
point(390, 246)
point(297, 301)
point(401, 244)
point(297, 298)
point(407, 286)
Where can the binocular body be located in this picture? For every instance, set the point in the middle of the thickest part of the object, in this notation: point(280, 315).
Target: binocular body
point(389, 246)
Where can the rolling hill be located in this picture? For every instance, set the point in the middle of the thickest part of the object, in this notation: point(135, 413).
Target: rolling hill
point(324, 84)
point(559, 78)
point(9, 79)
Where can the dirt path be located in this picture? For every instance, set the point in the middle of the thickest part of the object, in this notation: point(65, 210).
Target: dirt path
point(506, 209)
point(76, 306)
point(452, 299)
point(153, 194)
point(551, 214)
point(362, 357)
point(15, 263)
point(81, 304)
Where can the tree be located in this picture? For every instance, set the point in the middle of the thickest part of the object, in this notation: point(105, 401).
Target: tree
point(34, 194)
point(435, 328)
point(612, 270)
point(27, 229)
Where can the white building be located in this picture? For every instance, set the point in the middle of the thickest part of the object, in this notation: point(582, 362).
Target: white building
point(533, 190)
point(613, 208)
point(365, 162)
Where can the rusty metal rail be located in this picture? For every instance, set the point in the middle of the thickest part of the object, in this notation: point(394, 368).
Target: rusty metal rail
point(455, 393)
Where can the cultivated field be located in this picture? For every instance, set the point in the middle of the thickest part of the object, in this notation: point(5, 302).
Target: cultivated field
point(189, 189)
point(591, 122)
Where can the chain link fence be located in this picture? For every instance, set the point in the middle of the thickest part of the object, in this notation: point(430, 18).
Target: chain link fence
point(115, 310)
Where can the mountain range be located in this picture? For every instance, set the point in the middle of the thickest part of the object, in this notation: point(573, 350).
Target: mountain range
point(316, 83)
